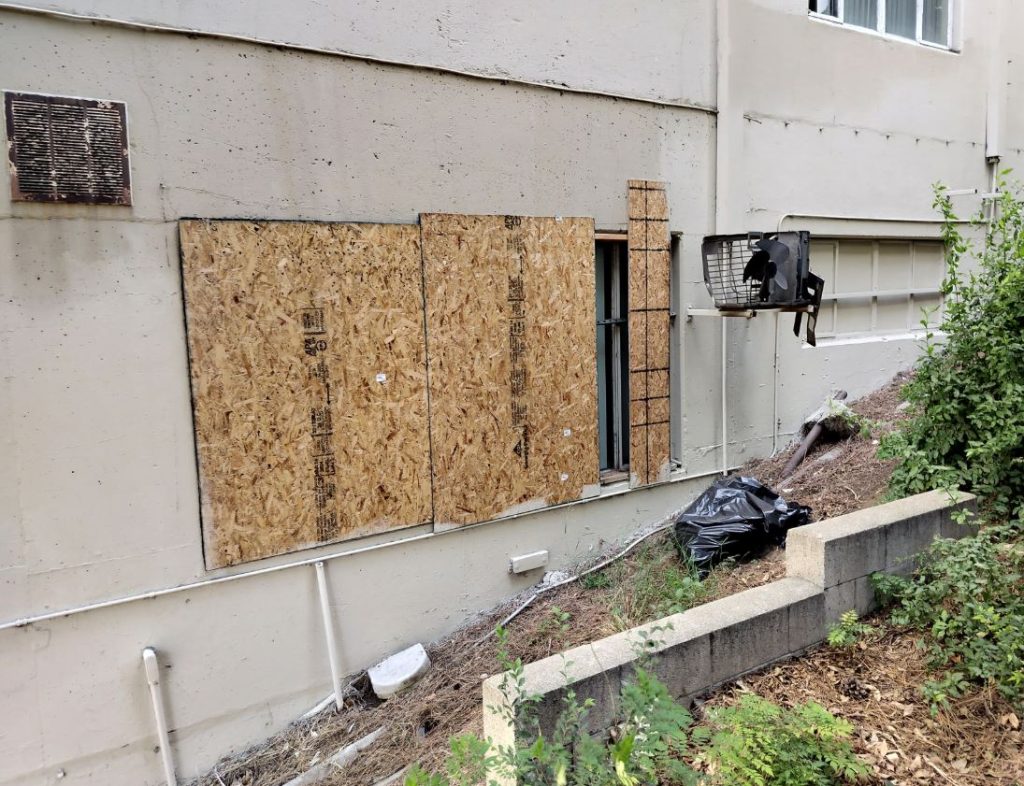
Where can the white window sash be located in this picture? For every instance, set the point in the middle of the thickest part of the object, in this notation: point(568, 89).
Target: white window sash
point(880, 25)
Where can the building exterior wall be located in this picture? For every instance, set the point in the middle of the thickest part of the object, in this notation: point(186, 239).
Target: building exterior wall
point(98, 487)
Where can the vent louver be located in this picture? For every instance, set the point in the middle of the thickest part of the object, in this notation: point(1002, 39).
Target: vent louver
point(67, 149)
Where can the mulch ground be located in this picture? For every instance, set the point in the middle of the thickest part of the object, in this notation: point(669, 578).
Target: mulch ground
point(835, 478)
point(978, 741)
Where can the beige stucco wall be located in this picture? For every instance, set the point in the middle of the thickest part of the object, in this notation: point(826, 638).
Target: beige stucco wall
point(657, 49)
point(98, 496)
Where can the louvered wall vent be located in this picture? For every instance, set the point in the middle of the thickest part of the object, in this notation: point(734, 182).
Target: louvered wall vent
point(67, 149)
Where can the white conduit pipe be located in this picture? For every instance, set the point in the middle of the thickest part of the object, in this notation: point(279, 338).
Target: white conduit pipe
point(332, 645)
point(725, 399)
point(152, 666)
point(196, 585)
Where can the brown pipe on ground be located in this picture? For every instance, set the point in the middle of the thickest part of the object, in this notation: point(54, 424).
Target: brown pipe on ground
point(809, 440)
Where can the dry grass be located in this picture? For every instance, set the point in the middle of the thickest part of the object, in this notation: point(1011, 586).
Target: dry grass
point(641, 587)
point(446, 701)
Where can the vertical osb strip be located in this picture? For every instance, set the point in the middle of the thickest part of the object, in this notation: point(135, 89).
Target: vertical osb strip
point(649, 328)
point(637, 273)
point(513, 399)
point(306, 350)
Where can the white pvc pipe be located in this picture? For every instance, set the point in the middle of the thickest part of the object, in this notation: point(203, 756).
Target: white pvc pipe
point(332, 645)
point(725, 400)
point(723, 129)
point(21, 622)
point(152, 666)
point(775, 390)
point(879, 219)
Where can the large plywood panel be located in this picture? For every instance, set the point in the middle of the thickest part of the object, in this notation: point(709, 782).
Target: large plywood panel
point(307, 356)
point(513, 392)
point(649, 330)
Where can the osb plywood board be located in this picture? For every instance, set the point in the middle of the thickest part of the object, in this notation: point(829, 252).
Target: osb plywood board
point(307, 357)
point(513, 392)
point(649, 332)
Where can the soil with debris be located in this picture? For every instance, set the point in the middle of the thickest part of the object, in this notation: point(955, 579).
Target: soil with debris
point(977, 741)
point(835, 478)
point(839, 476)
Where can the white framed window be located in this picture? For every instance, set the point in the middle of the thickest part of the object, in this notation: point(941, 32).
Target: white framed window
point(928, 22)
point(878, 287)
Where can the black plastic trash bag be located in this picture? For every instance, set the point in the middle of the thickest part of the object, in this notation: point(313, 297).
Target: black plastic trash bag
point(735, 517)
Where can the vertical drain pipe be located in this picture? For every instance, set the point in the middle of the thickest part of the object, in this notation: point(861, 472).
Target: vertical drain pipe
point(723, 129)
point(152, 666)
point(332, 645)
point(725, 399)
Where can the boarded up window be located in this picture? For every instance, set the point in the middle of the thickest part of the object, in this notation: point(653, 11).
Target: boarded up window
point(649, 330)
point(67, 149)
point(308, 365)
point(513, 392)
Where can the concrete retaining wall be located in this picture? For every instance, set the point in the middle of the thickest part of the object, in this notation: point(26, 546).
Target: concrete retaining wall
point(828, 565)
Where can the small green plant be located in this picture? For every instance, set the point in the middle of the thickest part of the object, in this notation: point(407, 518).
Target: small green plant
point(468, 761)
point(758, 743)
point(556, 622)
point(596, 580)
point(842, 419)
point(848, 631)
point(968, 598)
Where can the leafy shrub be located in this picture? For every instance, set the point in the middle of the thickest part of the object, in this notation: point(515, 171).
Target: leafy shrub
point(848, 631)
point(968, 595)
point(967, 425)
point(758, 743)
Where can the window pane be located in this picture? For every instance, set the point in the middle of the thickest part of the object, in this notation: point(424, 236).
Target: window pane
point(901, 18)
point(863, 13)
point(827, 7)
point(935, 27)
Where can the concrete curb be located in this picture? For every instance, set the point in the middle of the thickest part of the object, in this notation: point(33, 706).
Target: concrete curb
point(828, 567)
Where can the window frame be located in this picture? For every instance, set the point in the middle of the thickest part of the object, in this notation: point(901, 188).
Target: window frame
point(879, 28)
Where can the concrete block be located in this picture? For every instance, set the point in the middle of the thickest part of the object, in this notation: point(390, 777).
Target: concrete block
point(948, 528)
point(840, 599)
point(807, 624)
point(754, 626)
point(865, 596)
point(856, 595)
point(908, 538)
point(684, 667)
point(835, 551)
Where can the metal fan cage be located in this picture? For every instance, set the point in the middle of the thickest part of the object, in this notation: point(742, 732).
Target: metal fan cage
point(724, 260)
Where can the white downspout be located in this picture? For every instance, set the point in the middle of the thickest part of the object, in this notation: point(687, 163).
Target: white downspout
point(722, 175)
point(152, 666)
point(996, 98)
point(332, 644)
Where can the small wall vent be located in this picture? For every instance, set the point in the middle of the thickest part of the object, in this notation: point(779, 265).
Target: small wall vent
point(67, 149)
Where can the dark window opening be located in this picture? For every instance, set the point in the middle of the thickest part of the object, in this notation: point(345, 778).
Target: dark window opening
point(613, 358)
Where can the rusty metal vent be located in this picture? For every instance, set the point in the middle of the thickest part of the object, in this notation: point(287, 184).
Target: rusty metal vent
point(67, 149)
